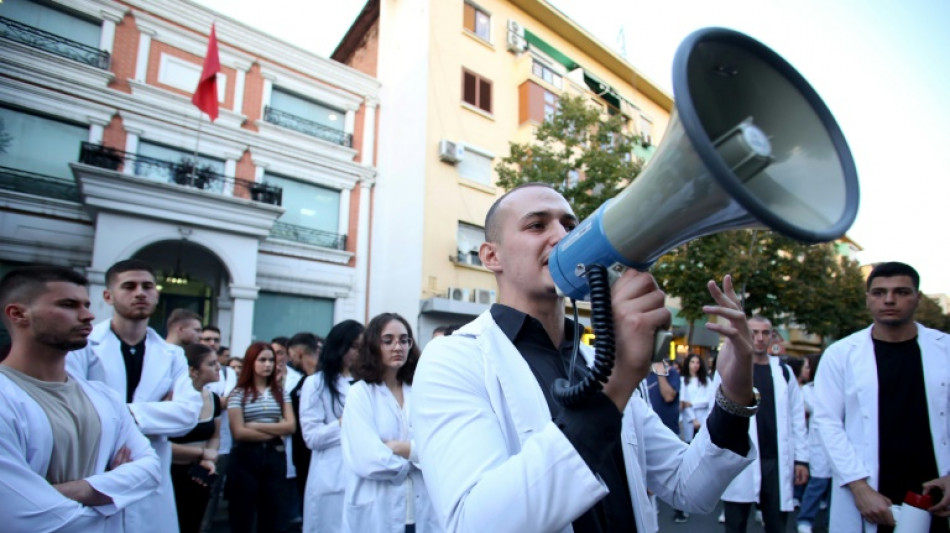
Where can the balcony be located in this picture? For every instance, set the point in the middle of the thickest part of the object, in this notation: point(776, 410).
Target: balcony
point(301, 234)
point(307, 127)
point(183, 172)
point(21, 181)
point(52, 43)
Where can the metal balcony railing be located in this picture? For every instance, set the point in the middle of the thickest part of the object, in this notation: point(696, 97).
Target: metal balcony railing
point(291, 232)
point(183, 172)
point(12, 179)
point(52, 43)
point(307, 127)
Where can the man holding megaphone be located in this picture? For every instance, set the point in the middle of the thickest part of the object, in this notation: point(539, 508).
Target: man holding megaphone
point(500, 453)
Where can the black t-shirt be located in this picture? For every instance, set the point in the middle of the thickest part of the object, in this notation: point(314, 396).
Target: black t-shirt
point(301, 453)
point(134, 357)
point(905, 450)
point(203, 430)
point(765, 418)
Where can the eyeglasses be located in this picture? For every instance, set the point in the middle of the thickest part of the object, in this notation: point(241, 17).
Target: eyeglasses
point(388, 341)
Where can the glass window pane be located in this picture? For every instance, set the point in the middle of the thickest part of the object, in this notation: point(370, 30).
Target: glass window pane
point(470, 238)
point(52, 20)
point(282, 315)
point(468, 88)
point(308, 205)
point(482, 25)
point(41, 145)
point(164, 173)
point(484, 95)
point(308, 109)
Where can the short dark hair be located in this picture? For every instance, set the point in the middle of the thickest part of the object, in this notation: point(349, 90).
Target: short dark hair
point(760, 318)
point(127, 265)
point(24, 284)
point(223, 349)
point(894, 268)
point(181, 315)
point(369, 364)
point(196, 354)
point(280, 340)
point(209, 327)
point(305, 339)
point(492, 230)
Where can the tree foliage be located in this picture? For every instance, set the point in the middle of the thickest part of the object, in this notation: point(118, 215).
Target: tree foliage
point(790, 282)
point(586, 158)
point(931, 315)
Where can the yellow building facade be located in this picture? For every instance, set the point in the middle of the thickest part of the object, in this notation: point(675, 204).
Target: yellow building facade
point(460, 80)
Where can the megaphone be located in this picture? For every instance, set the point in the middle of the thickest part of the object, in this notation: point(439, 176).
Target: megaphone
point(749, 144)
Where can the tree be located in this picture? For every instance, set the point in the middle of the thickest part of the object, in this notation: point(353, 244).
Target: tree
point(589, 160)
point(931, 315)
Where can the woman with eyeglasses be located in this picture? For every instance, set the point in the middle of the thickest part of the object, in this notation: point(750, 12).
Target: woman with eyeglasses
point(321, 410)
point(385, 491)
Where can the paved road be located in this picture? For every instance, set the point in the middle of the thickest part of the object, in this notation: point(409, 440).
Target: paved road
point(696, 523)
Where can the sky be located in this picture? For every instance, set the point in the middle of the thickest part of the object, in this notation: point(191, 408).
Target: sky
point(881, 66)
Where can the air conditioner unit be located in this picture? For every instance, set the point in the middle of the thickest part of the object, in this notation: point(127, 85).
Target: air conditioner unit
point(451, 152)
point(645, 140)
point(457, 294)
point(483, 296)
point(516, 41)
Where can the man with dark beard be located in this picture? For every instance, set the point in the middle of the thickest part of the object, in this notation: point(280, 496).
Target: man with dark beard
point(70, 453)
point(150, 374)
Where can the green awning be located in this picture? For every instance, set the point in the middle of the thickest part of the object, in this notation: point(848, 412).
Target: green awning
point(549, 50)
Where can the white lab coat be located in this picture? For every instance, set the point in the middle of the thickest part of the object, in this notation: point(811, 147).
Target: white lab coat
point(792, 442)
point(818, 463)
point(291, 379)
point(227, 379)
point(319, 423)
point(164, 371)
point(379, 480)
point(846, 414)
point(702, 397)
point(495, 461)
point(29, 504)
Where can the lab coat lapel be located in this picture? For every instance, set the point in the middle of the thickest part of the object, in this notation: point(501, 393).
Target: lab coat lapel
point(523, 397)
point(105, 346)
point(863, 362)
point(936, 364)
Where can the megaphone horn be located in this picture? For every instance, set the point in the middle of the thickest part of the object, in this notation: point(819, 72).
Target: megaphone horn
point(749, 144)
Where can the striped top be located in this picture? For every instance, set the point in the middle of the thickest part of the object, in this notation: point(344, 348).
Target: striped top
point(263, 409)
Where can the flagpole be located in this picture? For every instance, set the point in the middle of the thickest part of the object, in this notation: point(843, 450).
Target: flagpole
point(194, 167)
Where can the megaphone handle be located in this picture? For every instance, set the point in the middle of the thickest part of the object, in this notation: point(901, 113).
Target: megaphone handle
point(661, 345)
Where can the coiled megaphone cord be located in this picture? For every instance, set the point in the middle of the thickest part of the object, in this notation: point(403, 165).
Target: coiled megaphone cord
point(568, 393)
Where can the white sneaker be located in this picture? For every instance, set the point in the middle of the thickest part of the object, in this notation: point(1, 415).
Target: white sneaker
point(795, 503)
point(722, 517)
point(758, 517)
point(804, 528)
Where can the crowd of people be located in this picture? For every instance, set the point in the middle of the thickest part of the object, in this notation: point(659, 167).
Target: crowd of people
point(110, 427)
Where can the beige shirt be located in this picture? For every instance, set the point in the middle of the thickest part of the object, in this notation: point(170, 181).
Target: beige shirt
point(73, 420)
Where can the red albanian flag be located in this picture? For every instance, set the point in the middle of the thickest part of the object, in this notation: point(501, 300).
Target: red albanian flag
point(206, 95)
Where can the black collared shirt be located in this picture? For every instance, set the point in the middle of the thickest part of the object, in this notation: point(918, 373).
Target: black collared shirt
point(594, 428)
point(134, 356)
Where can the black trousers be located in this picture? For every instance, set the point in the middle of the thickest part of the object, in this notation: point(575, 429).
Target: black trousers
point(191, 499)
point(257, 476)
point(770, 503)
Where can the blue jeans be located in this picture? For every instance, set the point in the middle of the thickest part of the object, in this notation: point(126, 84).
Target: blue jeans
point(815, 491)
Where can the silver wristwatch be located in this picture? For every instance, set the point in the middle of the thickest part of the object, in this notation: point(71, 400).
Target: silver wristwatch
point(731, 407)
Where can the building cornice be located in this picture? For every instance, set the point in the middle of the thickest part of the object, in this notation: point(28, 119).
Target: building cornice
point(305, 251)
point(30, 61)
point(229, 30)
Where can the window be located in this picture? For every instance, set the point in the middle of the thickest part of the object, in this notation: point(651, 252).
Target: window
point(52, 20)
point(162, 167)
point(39, 144)
point(547, 74)
point(476, 91)
point(646, 130)
point(307, 205)
point(299, 106)
point(475, 166)
point(477, 21)
point(277, 314)
point(535, 103)
point(470, 238)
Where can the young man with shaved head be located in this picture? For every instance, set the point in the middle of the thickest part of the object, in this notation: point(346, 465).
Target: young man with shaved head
point(71, 458)
point(500, 453)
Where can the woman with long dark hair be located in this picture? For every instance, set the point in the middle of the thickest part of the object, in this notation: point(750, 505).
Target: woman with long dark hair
point(321, 411)
point(194, 454)
point(260, 415)
point(696, 396)
point(386, 492)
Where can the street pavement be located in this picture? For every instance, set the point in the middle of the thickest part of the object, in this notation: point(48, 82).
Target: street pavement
point(695, 524)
